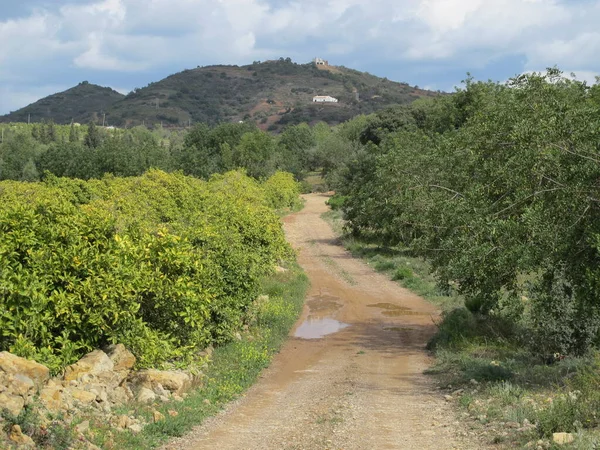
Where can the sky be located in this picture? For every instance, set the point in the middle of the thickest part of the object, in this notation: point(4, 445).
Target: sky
point(47, 46)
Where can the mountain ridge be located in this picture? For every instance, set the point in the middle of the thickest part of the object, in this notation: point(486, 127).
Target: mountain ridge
point(273, 94)
point(81, 103)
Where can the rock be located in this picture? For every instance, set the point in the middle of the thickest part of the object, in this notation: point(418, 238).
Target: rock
point(562, 438)
point(123, 359)
point(160, 390)
point(95, 363)
point(14, 365)
point(157, 416)
point(52, 398)
point(448, 398)
point(237, 336)
point(17, 436)
point(20, 384)
point(164, 398)
point(82, 427)
point(173, 413)
point(135, 427)
point(473, 381)
point(123, 422)
point(174, 382)
point(102, 397)
point(280, 269)
point(177, 398)
point(145, 395)
point(206, 401)
point(13, 403)
point(120, 395)
point(82, 396)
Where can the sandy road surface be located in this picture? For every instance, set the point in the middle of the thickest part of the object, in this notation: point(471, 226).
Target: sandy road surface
point(359, 387)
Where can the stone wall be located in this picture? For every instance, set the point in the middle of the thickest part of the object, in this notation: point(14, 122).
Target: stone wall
point(98, 382)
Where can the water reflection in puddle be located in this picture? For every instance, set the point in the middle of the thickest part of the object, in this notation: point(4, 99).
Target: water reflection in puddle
point(318, 328)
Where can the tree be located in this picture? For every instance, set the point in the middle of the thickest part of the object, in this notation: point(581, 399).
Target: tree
point(296, 150)
point(92, 138)
point(73, 133)
point(255, 153)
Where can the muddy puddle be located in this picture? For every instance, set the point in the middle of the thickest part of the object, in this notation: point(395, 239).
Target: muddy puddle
point(318, 328)
point(320, 322)
point(391, 310)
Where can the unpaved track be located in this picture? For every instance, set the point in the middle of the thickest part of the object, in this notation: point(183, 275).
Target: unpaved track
point(360, 388)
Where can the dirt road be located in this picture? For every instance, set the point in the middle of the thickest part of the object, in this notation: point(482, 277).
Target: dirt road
point(351, 377)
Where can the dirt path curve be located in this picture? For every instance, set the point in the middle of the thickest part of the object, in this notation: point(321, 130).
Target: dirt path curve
point(361, 387)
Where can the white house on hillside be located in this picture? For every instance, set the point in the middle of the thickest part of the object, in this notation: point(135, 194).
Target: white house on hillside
point(321, 62)
point(324, 99)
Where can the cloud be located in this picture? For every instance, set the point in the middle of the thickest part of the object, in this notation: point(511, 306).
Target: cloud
point(115, 41)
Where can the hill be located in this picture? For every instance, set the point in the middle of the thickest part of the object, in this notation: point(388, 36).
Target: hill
point(81, 103)
point(272, 93)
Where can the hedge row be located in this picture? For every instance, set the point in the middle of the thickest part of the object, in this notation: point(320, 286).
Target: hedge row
point(164, 263)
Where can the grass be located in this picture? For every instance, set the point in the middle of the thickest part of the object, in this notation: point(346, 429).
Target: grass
point(510, 396)
point(410, 272)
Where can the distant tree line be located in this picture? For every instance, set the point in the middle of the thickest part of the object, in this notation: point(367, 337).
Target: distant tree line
point(85, 152)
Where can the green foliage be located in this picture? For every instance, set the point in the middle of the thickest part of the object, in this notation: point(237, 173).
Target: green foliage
point(491, 185)
point(165, 264)
point(282, 191)
point(336, 202)
point(92, 137)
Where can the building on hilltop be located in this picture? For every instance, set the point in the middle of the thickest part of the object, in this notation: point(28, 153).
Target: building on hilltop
point(324, 99)
point(321, 62)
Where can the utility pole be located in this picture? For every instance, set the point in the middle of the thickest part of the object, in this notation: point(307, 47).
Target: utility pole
point(2, 142)
point(103, 119)
point(28, 119)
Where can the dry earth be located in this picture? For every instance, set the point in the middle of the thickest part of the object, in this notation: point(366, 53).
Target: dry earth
point(359, 387)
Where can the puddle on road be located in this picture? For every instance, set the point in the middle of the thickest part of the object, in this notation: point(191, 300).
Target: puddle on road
point(392, 310)
point(319, 323)
point(318, 328)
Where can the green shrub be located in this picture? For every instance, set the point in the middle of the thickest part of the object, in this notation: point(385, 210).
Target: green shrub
point(336, 202)
point(560, 320)
point(403, 273)
point(163, 263)
point(282, 191)
point(305, 187)
point(457, 325)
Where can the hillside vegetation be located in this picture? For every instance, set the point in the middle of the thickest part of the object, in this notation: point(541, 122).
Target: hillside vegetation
point(272, 94)
point(82, 103)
